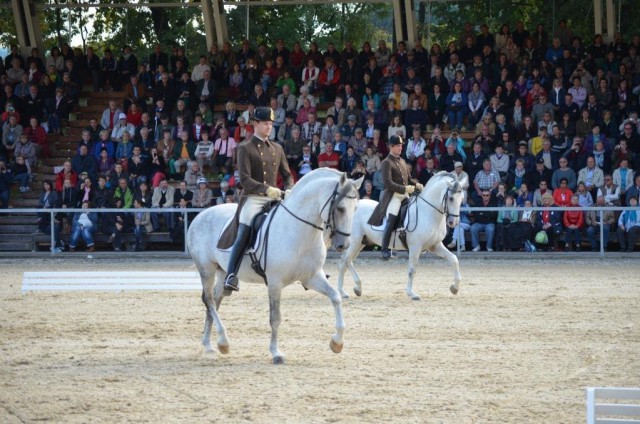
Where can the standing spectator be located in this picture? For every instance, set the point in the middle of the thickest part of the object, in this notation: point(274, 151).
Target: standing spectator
point(629, 226)
point(484, 221)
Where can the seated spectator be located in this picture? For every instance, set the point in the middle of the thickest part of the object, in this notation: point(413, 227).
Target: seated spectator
point(500, 162)
point(143, 195)
point(584, 197)
point(57, 110)
point(104, 143)
point(306, 162)
point(520, 231)
point(142, 225)
point(27, 149)
point(123, 192)
point(182, 193)
point(136, 94)
point(593, 224)
point(163, 197)
point(464, 224)
point(485, 180)
point(623, 178)
point(330, 158)
point(116, 223)
point(49, 200)
point(573, 221)
point(220, 195)
point(102, 196)
point(504, 222)
point(457, 106)
point(84, 225)
point(549, 220)
point(204, 152)
point(124, 151)
point(368, 191)
point(591, 176)
point(523, 195)
point(562, 195)
point(137, 168)
point(565, 172)
point(609, 191)
point(348, 161)
point(6, 178)
point(629, 226)
point(19, 172)
point(120, 127)
point(38, 135)
point(360, 171)
point(134, 115)
point(202, 195)
point(183, 154)
point(67, 173)
point(483, 221)
point(110, 115)
point(192, 176)
point(83, 162)
point(241, 131)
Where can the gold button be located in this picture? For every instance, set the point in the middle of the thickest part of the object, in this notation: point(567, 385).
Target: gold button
point(265, 172)
point(264, 163)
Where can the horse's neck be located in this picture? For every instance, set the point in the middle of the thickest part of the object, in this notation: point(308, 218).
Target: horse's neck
point(434, 207)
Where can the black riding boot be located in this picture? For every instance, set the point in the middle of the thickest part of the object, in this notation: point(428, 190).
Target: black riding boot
point(388, 230)
point(231, 282)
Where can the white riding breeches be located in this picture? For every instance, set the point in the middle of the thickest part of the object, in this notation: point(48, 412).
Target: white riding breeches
point(252, 207)
point(394, 204)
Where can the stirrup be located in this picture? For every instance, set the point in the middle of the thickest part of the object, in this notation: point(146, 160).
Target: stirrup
point(231, 282)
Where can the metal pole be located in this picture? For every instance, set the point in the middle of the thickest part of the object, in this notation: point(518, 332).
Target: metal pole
point(601, 212)
point(247, 35)
point(185, 219)
point(53, 238)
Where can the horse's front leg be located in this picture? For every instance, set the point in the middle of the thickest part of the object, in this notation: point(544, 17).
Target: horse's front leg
point(275, 294)
point(444, 253)
point(320, 284)
point(414, 256)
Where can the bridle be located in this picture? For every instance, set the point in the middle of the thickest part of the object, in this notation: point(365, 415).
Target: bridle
point(330, 223)
point(444, 207)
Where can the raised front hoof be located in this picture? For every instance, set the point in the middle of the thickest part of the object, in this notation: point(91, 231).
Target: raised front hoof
point(224, 349)
point(336, 347)
point(453, 289)
point(357, 291)
point(278, 360)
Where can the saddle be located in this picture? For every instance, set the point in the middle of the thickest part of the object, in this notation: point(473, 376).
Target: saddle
point(399, 226)
point(253, 244)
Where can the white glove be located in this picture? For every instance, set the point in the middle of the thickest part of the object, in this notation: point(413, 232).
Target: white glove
point(409, 189)
point(274, 193)
point(419, 187)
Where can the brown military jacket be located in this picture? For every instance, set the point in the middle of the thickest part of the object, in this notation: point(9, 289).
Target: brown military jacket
point(395, 176)
point(259, 163)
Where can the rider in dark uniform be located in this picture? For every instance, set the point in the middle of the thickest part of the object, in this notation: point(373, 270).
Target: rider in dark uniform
point(396, 178)
point(259, 162)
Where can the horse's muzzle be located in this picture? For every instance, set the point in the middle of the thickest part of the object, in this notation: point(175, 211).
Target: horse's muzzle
point(452, 221)
point(340, 245)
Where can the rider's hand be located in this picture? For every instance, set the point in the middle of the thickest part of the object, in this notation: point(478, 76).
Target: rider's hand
point(274, 193)
point(419, 187)
point(409, 189)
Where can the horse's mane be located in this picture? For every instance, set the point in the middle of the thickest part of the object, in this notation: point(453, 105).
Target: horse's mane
point(436, 178)
point(315, 174)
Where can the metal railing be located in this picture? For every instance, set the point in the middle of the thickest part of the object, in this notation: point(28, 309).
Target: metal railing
point(599, 209)
point(54, 211)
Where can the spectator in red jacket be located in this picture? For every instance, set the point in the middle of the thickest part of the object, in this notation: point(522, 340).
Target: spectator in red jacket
point(573, 221)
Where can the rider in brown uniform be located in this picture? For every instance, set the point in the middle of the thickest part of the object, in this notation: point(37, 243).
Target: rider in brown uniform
point(259, 162)
point(396, 178)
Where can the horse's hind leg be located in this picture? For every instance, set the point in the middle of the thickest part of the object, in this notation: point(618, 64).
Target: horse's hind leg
point(209, 278)
point(444, 253)
point(346, 260)
point(275, 294)
point(320, 284)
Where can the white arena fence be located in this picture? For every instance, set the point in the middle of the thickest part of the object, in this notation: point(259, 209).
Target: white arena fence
point(110, 281)
point(613, 405)
point(189, 213)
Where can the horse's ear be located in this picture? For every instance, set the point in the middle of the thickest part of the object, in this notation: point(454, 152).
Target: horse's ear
point(343, 178)
point(358, 183)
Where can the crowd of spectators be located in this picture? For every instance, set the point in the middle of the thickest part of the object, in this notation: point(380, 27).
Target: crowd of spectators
point(523, 117)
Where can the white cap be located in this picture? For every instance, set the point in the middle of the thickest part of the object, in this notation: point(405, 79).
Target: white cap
point(122, 116)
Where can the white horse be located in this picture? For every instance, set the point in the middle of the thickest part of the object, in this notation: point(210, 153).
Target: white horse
point(292, 248)
point(428, 215)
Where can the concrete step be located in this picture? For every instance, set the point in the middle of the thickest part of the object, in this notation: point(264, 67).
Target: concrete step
point(16, 229)
point(18, 219)
point(16, 246)
point(21, 202)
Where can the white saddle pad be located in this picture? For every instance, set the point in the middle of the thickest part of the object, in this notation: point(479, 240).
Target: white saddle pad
point(384, 224)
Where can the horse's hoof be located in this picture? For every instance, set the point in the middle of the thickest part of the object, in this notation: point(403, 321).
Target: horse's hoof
point(278, 360)
point(224, 349)
point(207, 350)
point(415, 297)
point(335, 347)
point(344, 296)
point(357, 291)
point(453, 289)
